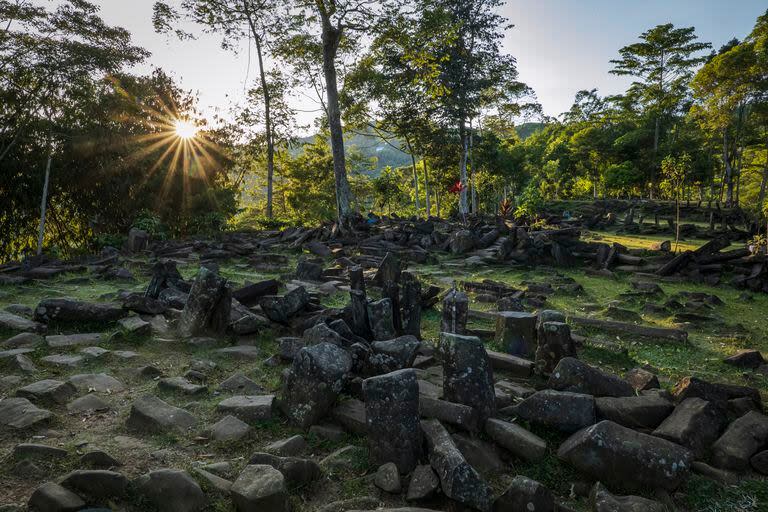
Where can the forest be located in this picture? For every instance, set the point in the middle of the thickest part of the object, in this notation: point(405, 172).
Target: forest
point(429, 79)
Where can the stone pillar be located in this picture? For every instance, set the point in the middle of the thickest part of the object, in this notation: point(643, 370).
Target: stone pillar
point(516, 333)
point(208, 306)
point(411, 304)
point(455, 312)
point(388, 276)
point(555, 343)
point(392, 417)
point(380, 319)
point(467, 373)
point(359, 303)
point(313, 383)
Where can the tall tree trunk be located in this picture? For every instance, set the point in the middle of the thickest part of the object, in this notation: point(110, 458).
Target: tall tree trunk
point(763, 185)
point(437, 201)
point(44, 204)
point(426, 186)
point(331, 37)
point(728, 177)
point(463, 168)
point(415, 178)
point(472, 169)
point(267, 130)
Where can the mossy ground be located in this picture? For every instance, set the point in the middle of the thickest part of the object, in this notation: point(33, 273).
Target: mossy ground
point(743, 325)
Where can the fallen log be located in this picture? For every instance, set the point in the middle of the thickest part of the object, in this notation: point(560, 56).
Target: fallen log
point(627, 328)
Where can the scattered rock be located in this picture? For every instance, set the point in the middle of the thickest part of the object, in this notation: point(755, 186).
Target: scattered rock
point(51, 497)
point(617, 455)
point(525, 495)
point(96, 483)
point(695, 424)
point(171, 490)
point(230, 428)
point(150, 414)
point(260, 487)
point(249, 408)
point(741, 440)
point(562, 410)
point(291, 446)
point(47, 391)
point(604, 501)
point(20, 413)
point(578, 377)
point(388, 478)
point(467, 373)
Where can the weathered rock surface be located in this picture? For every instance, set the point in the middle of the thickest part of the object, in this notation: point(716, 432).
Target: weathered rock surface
point(70, 310)
point(467, 373)
point(51, 497)
point(525, 495)
point(49, 390)
point(695, 424)
point(740, 441)
point(249, 408)
point(562, 410)
point(573, 375)
point(311, 386)
point(260, 487)
point(208, 307)
point(637, 412)
point(516, 439)
point(20, 413)
point(623, 457)
point(603, 501)
point(171, 490)
point(150, 414)
point(458, 480)
point(392, 415)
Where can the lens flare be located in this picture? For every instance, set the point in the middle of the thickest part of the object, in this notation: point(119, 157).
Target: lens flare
point(185, 129)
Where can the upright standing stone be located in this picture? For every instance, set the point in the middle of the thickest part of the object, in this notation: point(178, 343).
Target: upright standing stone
point(467, 373)
point(516, 332)
point(359, 302)
point(388, 277)
point(380, 319)
point(208, 306)
point(554, 343)
point(392, 417)
point(455, 312)
point(411, 304)
point(314, 381)
point(164, 275)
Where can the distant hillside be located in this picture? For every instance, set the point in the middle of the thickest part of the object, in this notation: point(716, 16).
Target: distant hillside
point(370, 145)
point(525, 130)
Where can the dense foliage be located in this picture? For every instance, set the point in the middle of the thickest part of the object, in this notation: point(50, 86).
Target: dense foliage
point(430, 87)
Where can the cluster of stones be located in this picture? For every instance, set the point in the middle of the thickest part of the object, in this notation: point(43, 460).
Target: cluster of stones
point(437, 421)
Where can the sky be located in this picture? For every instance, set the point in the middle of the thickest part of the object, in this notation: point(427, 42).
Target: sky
point(561, 46)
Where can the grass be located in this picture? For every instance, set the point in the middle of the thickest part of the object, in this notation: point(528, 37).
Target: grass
point(644, 242)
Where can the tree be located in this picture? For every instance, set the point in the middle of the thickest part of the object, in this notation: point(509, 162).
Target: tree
point(46, 57)
point(675, 171)
point(260, 20)
point(468, 64)
point(327, 26)
point(663, 63)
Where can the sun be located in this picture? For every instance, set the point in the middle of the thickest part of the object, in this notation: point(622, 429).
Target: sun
point(185, 129)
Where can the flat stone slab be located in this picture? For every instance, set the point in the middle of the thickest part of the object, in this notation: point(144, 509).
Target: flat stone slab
point(73, 340)
point(135, 325)
point(62, 360)
point(239, 383)
point(98, 382)
point(48, 390)
point(180, 385)
point(20, 413)
point(86, 404)
point(240, 352)
point(230, 428)
point(150, 414)
point(249, 408)
point(19, 323)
